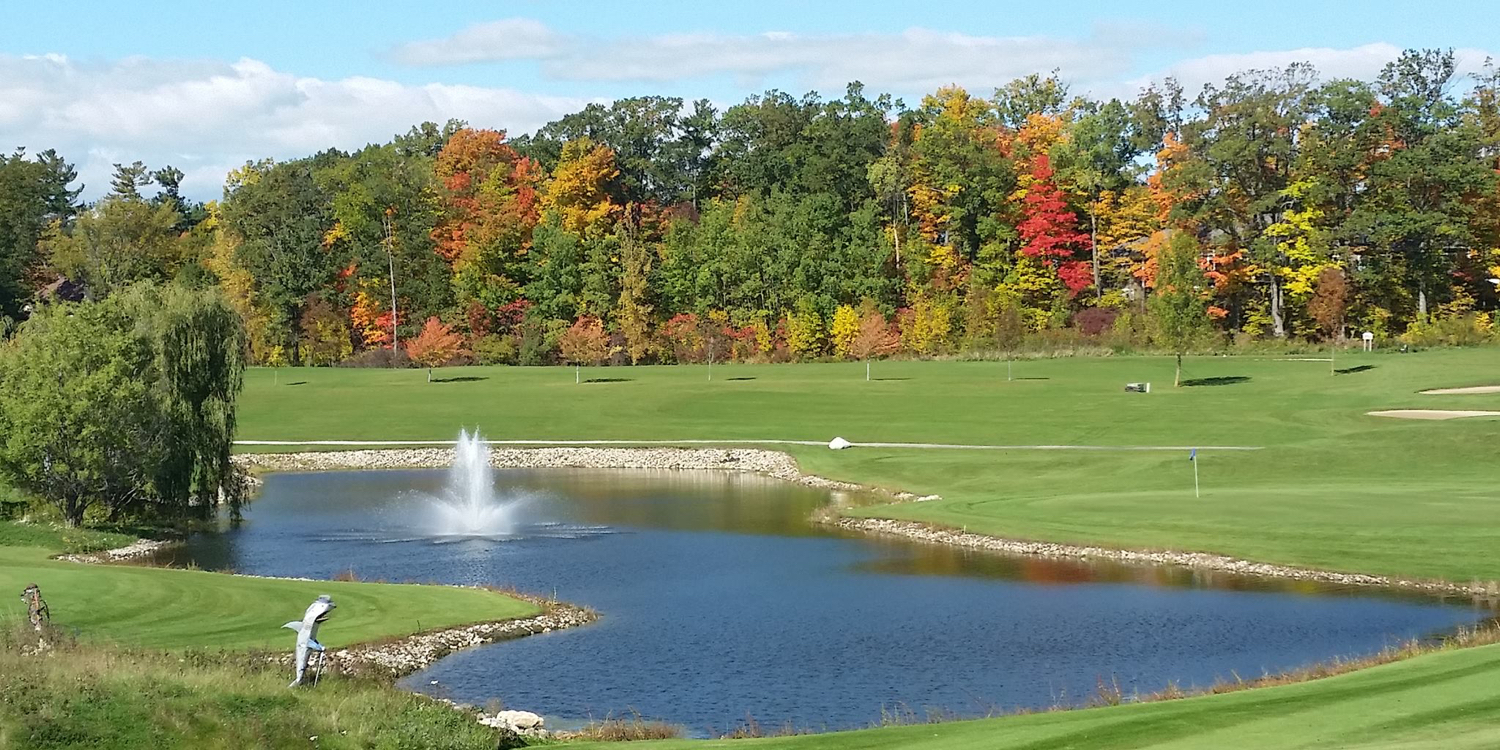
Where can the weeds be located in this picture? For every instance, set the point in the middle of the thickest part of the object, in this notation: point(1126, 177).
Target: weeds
point(628, 730)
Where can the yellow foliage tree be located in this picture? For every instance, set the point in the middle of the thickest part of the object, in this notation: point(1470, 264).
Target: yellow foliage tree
point(579, 190)
point(844, 330)
point(931, 326)
point(804, 331)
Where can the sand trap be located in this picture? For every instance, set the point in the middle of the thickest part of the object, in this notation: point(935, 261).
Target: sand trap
point(1463, 391)
point(1431, 414)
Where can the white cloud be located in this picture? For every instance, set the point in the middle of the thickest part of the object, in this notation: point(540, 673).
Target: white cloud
point(917, 59)
point(1362, 63)
point(508, 39)
point(207, 117)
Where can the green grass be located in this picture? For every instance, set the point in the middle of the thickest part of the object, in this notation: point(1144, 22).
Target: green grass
point(87, 696)
point(1444, 701)
point(1332, 488)
point(59, 537)
point(174, 609)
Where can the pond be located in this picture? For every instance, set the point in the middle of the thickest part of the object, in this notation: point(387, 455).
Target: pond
point(722, 602)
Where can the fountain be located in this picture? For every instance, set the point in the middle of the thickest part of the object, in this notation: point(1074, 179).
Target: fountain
point(468, 506)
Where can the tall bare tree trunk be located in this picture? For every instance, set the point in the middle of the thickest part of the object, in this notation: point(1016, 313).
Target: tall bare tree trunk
point(1278, 320)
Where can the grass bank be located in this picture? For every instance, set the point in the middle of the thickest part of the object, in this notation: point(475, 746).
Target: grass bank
point(161, 658)
point(1443, 701)
point(1332, 488)
point(177, 609)
point(83, 695)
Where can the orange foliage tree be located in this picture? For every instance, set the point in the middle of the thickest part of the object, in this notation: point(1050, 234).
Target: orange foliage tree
point(875, 338)
point(435, 346)
point(584, 343)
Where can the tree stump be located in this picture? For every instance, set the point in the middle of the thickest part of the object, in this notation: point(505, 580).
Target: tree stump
point(36, 607)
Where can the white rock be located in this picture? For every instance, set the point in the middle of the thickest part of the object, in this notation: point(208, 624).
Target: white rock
point(839, 444)
point(521, 721)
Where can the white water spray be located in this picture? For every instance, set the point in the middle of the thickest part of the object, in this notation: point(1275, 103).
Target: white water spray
point(468, 506)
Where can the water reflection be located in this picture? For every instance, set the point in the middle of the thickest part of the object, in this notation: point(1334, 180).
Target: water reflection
point(721, 600)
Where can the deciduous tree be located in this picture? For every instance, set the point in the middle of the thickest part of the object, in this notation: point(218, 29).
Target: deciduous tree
point(436, 345)
point(1178, 311)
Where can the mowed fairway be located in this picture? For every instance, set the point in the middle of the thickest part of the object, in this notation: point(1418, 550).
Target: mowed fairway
point(1331, 487)
point(174, 609)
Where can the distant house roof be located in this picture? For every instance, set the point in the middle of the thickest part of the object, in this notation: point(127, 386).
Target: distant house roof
point(62, 290)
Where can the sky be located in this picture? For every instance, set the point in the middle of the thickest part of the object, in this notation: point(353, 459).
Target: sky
point(206, 87)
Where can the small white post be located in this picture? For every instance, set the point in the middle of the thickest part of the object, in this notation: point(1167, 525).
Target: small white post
point(577, 374)
point(1007, 369)
point(1195, 477)
point(867, 371)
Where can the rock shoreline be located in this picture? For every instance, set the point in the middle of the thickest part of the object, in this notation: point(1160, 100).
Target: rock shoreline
point(400, 657)
point(1201, 560)
point(767, 463)
point(138, 548)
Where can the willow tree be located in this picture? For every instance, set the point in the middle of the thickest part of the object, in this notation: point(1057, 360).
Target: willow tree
point(197, 345)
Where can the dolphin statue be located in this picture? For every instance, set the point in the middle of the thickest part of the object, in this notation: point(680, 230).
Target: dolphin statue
point(307, 632)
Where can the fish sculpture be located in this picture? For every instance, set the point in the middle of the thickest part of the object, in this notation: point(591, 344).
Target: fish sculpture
point(307, 632)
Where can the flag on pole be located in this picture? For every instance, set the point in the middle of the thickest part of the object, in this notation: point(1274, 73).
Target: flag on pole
point(1193, 456)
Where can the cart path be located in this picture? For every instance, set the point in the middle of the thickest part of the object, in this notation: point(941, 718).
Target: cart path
point(817, 443)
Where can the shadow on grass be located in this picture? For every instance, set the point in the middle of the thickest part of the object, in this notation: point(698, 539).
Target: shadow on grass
point(735, 380)
point(1352, 370)
point(890, 379)
point(1031, 378)
point(461, 379)
point(1221, 380)
point(299, 382)
point(608, 380)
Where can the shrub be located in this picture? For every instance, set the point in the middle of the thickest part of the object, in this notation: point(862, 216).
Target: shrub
point(496, 350)
point(1472, 329)
point(1095, 320)
point(380, 357)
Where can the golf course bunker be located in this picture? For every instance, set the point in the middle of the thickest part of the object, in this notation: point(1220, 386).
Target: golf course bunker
point(719, 599)
point(1462, 391)
point(1438, 414)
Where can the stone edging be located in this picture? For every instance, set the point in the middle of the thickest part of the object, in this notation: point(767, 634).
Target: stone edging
point(1202, 560)
point(138, 548)
point(769, 463)
point(403, 656)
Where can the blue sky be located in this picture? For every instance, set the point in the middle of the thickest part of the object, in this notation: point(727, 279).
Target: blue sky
point(205, 86)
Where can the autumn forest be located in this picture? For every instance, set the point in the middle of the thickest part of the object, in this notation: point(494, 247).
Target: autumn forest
point(654, 230)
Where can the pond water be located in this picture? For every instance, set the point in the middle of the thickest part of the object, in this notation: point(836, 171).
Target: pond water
point(721, 602)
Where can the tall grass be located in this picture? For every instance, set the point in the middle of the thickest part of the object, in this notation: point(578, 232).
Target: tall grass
point(80, 695)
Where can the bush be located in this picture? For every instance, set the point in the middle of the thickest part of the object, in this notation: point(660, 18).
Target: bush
point(1473, 329)
point(496, 350)
point(380, 357)
point(1095, 320)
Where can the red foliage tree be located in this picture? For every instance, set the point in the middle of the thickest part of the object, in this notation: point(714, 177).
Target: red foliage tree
point(685, 335)
point(1050, 229)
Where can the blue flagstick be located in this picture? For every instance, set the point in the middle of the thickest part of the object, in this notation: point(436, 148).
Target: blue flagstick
point(1193, 456)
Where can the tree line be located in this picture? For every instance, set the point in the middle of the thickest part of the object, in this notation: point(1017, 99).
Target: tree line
point(783, 228)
